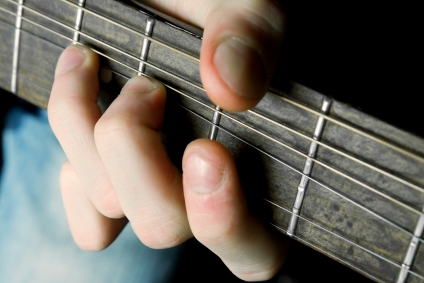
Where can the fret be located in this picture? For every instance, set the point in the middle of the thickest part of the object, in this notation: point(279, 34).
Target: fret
point(78, 20)
point(319, 128)
point(412, 251)
point(146, 45)
point(6, 48)
point(18, 24)
point(216, 118)
point(356, 221)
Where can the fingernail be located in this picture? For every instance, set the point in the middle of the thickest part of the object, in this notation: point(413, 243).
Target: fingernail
point(71, 58)
point(204, 176)
point(241, 68)
point(139, 84)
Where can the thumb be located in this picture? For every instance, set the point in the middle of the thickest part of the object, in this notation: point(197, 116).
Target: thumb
point(239, 52)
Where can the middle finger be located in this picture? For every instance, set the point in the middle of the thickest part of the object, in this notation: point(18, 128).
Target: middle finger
point(148, 185)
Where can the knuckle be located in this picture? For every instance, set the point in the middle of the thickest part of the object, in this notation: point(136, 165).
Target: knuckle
point(158, 239)
point(105, 200)
point(161, 235)
point(221, 234)
point(67, 170)
point(68, 179)
point(110, 130)
point(63, 115)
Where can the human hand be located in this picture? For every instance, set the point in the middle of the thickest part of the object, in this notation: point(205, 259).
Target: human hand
point(118, 166)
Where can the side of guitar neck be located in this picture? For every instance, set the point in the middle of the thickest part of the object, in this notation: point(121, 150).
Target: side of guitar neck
point(363, 198)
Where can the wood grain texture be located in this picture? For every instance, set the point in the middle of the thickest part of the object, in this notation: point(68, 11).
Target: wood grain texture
point(263, 176)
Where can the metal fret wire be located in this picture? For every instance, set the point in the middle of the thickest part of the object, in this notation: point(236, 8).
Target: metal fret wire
point(235, 120)
point(293, 102)
point(280, 207)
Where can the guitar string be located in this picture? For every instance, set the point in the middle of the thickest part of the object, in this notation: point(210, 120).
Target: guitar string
point(359, 161)
point(285, 98)
point(280, 207)
point(235, 120)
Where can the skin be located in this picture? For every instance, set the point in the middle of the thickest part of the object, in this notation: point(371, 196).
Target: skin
point(163, 206)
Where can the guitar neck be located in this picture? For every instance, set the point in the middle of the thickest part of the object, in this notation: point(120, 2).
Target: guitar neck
point(322, 172)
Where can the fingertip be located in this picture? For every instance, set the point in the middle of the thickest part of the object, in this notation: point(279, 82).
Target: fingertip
point(74, 56)
point(142, 85)
point(210, 150)
point(141, 103)
point(239, 53)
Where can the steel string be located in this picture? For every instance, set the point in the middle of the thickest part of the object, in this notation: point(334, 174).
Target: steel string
point(405, 182)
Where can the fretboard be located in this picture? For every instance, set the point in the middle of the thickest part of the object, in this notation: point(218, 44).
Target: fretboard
point(322, 172)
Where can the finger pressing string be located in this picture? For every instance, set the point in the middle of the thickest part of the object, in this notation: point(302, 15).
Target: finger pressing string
point(147, 184)
point(219, 217)
point(73, 113)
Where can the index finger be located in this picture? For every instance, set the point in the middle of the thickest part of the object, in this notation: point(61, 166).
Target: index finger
point(73, 113)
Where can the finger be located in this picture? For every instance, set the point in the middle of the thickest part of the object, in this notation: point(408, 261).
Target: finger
point(148, 185)
point(73, 113)
point(240, 46)
point(91, 230)
point(219, 218)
